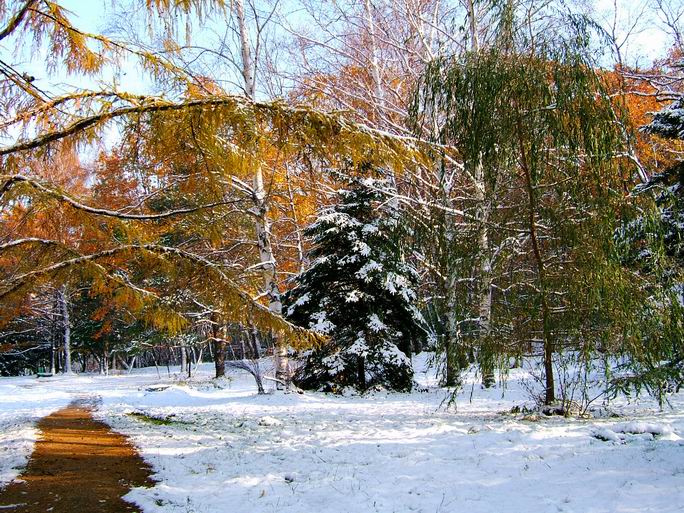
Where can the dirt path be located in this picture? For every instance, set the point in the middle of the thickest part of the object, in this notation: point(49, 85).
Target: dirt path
point(79, 465)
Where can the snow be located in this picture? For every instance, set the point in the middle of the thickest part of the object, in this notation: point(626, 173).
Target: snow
point(322, 324)
point(399, 285)
point(631, 431)
point(228, 449)
point(367, 268)
point(301, 301)
point(353, 296)
point(375, 324)
point(361, 248)
point(369, 229)
point(338, 220)
point(391, 353)
point(359, 347)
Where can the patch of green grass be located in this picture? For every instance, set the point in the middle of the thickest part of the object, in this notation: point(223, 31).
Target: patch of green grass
point(157, 421)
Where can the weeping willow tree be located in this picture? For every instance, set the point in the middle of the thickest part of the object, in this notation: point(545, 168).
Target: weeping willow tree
point(165, 249)
point(538, 197)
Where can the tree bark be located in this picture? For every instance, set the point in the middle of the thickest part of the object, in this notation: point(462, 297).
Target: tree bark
point(451, 374)
point(379, 99)
point(484, 292)
point(183, 360)
point(248, 65)
point(295, 221)
point(104, 363)
point(268, 266)
point(472, 25)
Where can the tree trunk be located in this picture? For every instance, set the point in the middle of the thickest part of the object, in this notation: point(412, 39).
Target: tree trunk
point(256, 354)
point(549, 393)
point(263, 232)
point(262, 222)
point(451, 375)
point(257, 343)
point(219, 347)
point(378, 100)
point(361, 372)
point(104, 365)
point(472, 25)
point(66, 328)
point(484, 292)
point(300, 238)
point(248, 75)
point(53, 352)
point(183, 360)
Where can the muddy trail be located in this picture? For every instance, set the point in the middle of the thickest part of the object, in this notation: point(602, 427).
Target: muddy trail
point(79, 465)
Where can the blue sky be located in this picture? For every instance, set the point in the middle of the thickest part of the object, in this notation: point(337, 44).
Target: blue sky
point(93, 16)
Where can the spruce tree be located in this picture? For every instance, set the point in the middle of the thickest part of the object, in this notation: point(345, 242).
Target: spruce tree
point(669, 123)
point(653, 245)
point(360, 293)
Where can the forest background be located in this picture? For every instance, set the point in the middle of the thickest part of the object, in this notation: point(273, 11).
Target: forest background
point(165, 170)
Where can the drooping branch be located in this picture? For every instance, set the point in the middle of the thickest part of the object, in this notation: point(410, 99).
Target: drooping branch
point(10, 180)
point(329, 125)
point(59, 102)
point(245, 308)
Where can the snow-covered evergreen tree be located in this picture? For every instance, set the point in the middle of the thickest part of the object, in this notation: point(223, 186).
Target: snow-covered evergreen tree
point(654, 245)
point(360, 293)
point(668, 225)
point(669, 122)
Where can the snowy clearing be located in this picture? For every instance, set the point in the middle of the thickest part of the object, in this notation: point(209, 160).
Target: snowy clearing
point(227, 449)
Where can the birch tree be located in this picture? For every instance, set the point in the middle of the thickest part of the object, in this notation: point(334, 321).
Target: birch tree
point(261, 205)
point(65, 321)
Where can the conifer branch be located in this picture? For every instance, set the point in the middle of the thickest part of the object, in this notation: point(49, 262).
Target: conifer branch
point(13, 179)
point(251, 309)
point(17, 19)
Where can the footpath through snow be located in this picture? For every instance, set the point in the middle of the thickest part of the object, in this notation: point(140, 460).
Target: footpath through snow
point(227, 449)
point(78, 464)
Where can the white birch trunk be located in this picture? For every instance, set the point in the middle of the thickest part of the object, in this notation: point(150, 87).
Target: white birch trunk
point(378, 101)
point(248, 66)
point(451, 349)
point(472, 24)
point(262, 222)
point(483, 213)
point(184, 360)
point(295, 221)
point(484, 292)
point(66, 328)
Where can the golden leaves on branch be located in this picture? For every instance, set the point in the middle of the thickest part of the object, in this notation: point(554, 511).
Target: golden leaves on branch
point(207, 279)
point(293, 129)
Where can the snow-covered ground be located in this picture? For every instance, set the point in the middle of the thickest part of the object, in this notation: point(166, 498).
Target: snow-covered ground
point(227, 449)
